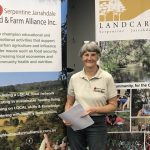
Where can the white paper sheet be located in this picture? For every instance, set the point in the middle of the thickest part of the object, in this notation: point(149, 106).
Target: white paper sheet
point(74, 116)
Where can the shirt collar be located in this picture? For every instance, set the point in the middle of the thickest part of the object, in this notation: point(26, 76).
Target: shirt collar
point(97, 75)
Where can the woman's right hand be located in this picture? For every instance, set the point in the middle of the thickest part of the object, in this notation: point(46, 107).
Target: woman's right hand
point(67, 123)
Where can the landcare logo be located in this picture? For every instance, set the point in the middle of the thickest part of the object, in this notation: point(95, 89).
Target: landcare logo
point(121, 10)
point(1, 10)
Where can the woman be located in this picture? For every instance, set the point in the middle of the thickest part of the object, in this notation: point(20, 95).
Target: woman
point(95, 90)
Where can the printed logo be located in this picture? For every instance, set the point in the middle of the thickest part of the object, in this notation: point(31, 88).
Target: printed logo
point(1, 10)
point(29, 141)
point(96, 89)
point(119, 10)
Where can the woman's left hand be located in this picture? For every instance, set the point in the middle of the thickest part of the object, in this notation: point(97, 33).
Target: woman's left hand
point(89, 111)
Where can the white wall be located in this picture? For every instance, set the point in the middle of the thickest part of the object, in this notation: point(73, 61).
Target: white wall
point(81, 27)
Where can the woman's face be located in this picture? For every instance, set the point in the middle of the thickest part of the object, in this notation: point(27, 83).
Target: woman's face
point(89, 59)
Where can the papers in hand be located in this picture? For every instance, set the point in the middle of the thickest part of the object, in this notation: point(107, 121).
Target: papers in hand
point(74, 116)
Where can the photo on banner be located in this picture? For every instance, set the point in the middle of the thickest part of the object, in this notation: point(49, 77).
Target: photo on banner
point(32, 75)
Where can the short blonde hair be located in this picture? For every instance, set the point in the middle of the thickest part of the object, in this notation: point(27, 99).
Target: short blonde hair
point(90, 46)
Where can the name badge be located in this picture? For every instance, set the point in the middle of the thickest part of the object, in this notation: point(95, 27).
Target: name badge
point(96, 89)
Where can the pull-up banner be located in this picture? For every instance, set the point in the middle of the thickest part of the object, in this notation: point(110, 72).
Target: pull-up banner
point(122, 19)
point(32, 84)
point(123, 34)
point(30, 35)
